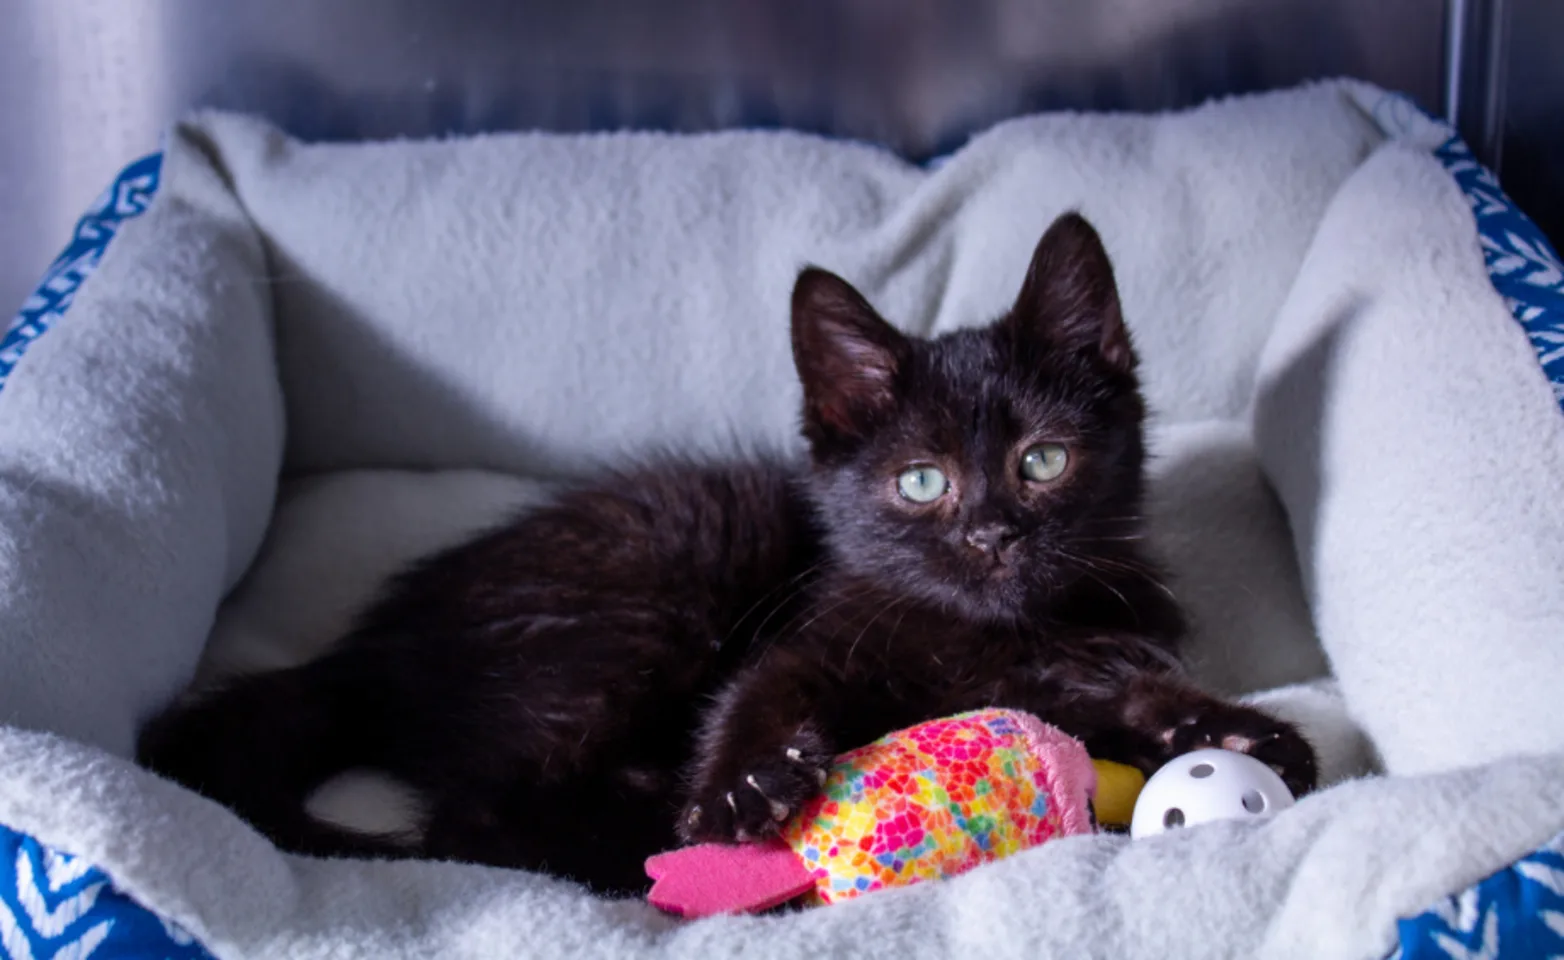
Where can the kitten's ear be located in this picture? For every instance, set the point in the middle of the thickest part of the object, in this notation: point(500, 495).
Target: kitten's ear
point(1069, 299)
point(847, 357)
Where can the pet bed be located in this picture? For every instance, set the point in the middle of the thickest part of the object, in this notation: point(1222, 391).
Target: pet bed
point(1355, 441)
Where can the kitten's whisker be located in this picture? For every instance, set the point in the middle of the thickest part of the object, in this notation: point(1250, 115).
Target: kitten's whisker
point(1087, 564)
point(770, 641)
point(1137, 521)
point(841, 601)
point(1137, 570)
point(1115, 591)
point(882, 611)
point(1108, 563)
point(849, 621)
point(897, 625)
point(794, 588)
point(863, 591)
point(1108, 566)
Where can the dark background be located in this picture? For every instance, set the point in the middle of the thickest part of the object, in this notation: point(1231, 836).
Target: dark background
point(86, 85)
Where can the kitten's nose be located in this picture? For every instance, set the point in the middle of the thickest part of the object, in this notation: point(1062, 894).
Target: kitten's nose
point(991, 538)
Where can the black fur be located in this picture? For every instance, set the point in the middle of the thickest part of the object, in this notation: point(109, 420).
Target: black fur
point(675, 653)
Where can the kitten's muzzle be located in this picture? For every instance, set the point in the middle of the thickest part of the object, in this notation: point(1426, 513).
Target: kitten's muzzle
point(992, 540)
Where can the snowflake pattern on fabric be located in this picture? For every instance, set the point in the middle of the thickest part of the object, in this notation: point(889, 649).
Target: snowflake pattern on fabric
point(1522, 266)
point(1514, 913)
point(128, 197)
point(58, 907)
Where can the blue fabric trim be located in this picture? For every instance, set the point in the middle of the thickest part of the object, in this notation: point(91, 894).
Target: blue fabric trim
point(1522, 265)
point(1516, 913)
point(128, 197)
point(53, 905)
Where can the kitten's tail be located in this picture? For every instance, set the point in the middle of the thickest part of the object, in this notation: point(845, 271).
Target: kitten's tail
point(261, 744)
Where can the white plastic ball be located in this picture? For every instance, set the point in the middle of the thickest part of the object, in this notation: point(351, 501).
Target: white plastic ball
point(1204, 786)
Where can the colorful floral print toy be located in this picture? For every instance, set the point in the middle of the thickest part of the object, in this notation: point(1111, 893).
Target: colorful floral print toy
point(924, 803)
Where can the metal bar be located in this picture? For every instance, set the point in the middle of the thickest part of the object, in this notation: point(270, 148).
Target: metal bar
point(1476, 74)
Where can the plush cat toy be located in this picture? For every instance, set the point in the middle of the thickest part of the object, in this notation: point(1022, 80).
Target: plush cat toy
point(923, 803)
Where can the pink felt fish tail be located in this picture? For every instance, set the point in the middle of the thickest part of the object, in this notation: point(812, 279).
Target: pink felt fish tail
point(713, 878)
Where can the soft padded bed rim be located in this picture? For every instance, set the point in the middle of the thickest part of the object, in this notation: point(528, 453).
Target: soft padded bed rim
point(1522, 264)
point(54, 905)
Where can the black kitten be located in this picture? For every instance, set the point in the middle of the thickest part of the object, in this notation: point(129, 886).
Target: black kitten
point(676, 653)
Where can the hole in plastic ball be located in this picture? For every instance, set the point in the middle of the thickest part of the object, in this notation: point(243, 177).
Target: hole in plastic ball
point(1254, 801)
point(1173, 818)
point(1201, 770)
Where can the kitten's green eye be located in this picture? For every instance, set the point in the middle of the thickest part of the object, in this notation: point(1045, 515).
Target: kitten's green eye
point(1044, 462)
point(922, 484)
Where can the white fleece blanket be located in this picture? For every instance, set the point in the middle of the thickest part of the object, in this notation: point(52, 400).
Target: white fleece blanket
point(1314, 319)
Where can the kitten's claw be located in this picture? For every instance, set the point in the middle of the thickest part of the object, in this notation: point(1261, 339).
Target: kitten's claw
point(755, 800)
point(1248, 731)
point(797, 756)
point(779, 811)
point(1170, 734)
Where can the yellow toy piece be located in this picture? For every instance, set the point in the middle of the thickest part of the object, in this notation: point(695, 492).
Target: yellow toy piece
point(1118, 787)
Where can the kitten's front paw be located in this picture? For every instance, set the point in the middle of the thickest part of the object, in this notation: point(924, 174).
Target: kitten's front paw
point(1275, 743)
point(756, 802)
